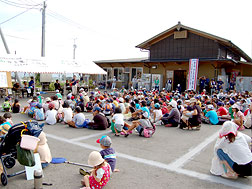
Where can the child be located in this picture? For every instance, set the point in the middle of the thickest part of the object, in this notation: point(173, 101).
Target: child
point(118, 120)
point(4, 126)
point(100, 174)
point(16, 106)
point(157, 114)
point(39, 113)
point(39, 97)
point(8, 117)
point(67, 113)
point(6, 105)
point(46, 104)
point(107, 152)
point(51, 115)
point(78, 119)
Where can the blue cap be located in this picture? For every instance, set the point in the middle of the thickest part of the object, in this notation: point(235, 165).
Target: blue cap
point(97, 108)
point(157, 105)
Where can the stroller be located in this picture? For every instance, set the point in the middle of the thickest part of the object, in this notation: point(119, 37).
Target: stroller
point(8, 151)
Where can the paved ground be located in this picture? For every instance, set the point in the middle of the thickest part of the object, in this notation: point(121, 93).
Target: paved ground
point(172, 158)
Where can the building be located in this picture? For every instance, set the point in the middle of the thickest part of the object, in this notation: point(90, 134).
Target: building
point(169, 55)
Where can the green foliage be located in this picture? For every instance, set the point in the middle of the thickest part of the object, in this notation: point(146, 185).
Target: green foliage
point(37, 79)
point(51, 87)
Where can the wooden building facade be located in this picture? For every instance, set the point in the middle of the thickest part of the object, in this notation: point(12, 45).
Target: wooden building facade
point(169, 55)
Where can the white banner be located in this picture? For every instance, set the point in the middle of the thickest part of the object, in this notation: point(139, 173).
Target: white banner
point(3, 79)
point(193, 74)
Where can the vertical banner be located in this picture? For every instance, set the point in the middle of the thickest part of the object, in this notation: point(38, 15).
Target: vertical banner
point(193, 74)
point(3, 79)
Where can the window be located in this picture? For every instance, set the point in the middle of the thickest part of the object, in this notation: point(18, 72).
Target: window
point(136, 72)
point(118, 73)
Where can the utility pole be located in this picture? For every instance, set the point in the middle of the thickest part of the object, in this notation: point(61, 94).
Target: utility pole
point(43, 30)
point(74, 47)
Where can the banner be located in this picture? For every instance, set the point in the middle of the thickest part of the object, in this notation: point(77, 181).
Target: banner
point(193, 74)
point(3, 79)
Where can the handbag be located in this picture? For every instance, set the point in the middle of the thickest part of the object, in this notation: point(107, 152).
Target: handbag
point(25, 157)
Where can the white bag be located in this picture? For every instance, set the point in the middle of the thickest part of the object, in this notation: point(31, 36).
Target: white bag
point(247, 120)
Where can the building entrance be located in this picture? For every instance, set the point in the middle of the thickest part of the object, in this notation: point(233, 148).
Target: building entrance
point(179, 78)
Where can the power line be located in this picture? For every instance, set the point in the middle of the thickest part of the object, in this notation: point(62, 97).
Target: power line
point(18, 6)
point(15, 16)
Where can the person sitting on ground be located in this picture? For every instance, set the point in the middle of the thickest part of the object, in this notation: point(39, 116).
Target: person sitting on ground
point(211, 116)
point(16, 106)
point(39, 113)
point(248, 117)
point(221, 110)
point(100, 121)
point(78, 119)
point(232, 154)
point(80, 103)
point(107, 152)
point(119, 123)
point(32, 106)
point(67, 113)
point(46, 104)
point(6, 105)
point(51, 115)
point(238, 116)
point(173, 118)
point(39, 97)
point(193, 113)
point(100, 174)
point(121, 105)
point(157, 114)
point(143, 108)
point(55, 102)
point(107, 108)
point(58, 94)
point(8, 117)
point(89, 106)
point(140, 124)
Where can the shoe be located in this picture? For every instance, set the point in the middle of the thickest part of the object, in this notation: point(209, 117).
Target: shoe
point(117, 135)
point(230, 175)
point(126, 135)
point(168, 125)
point(84, 172)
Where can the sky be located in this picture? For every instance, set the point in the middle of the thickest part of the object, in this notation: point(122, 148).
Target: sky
point(111, 29)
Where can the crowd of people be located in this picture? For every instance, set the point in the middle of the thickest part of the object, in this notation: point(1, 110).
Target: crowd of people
point(128, 110)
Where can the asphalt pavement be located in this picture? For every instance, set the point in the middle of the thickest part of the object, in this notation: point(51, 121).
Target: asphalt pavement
point(172, 158)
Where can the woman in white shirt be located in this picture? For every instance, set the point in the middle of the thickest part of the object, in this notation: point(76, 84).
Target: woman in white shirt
point(67, 113)
point(157, 114)
point(232, 156)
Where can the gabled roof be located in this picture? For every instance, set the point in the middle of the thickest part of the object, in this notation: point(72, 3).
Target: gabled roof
point(146, 44)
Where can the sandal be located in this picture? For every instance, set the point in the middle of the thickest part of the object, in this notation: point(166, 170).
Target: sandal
point(84, 172)
point(230, 175)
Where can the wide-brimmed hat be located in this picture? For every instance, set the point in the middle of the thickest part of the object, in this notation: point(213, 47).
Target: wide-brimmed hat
point(173, 104)
point(193, 100)
point(95, 158)
point(48, 99)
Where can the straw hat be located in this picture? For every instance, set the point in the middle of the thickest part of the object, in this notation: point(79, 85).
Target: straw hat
point(95, 158)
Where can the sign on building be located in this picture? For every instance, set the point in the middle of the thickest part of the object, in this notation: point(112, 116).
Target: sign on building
point(193, 74)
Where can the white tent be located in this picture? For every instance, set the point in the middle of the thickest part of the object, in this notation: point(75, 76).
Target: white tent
point(12, 63)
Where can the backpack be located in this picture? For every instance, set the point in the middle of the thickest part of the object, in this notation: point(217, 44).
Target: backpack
point(107, 107)
point(148, 132)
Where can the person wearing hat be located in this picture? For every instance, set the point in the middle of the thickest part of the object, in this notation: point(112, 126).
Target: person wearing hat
point(46, 104)
point(232, 156)
point(121, 104)
point(173, 118)
point(4, 126)
point(143, 122)
point(107, 152)
point(39, 97)
point(157, 114)
point(100, 174)
point(51, 115)
point(99, 122)
point(58, 94)
point(211, 116)
point(6, 105)
point(238, 116)
point(39, 113)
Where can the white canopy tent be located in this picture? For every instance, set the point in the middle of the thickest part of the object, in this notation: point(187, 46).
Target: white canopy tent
point(12, 63)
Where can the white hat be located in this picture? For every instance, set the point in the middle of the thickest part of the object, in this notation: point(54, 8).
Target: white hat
point(95, 158)
point(121, 99)
point(235, 106)
point(228, 127)
point(81, 89)
point(210, 106)
point(57, 91)
point(173, 103)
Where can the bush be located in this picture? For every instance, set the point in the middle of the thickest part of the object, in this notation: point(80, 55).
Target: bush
point(51, 87)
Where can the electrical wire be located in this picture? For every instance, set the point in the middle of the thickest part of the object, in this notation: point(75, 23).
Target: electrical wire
point(18, 6)
point(15, 15)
